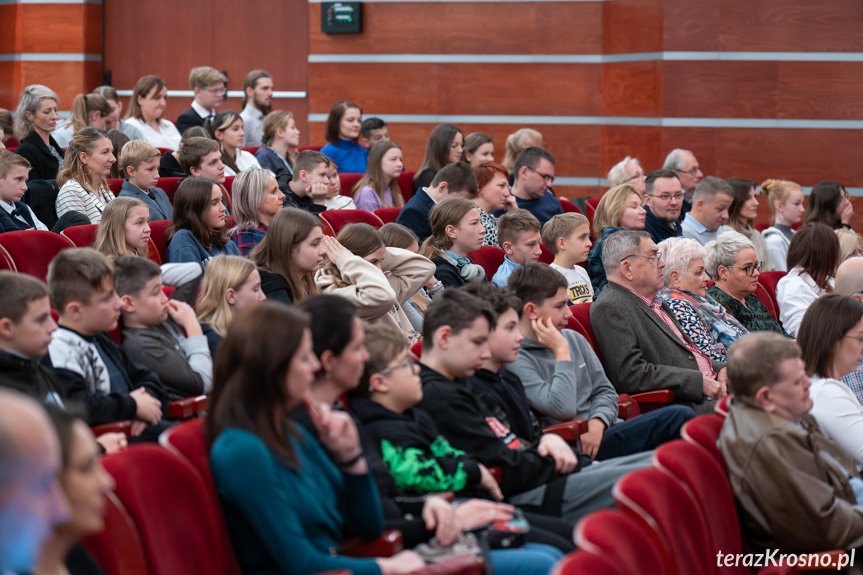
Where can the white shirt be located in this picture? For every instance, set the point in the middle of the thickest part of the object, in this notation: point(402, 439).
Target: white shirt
point(244, 161)
point(10, 207)
point(202, 111)
point(839, 414)
point(166, 137)
point(579, 289)
point(64, 134)
point(340, 202)
point(795, 292)
point(253, 125)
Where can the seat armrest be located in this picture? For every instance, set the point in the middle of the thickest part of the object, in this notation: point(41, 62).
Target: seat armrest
point(388, 544)
point(650, 400)
point(124, 427)
point(568, 430)
point(626, 407)
point(187, 407)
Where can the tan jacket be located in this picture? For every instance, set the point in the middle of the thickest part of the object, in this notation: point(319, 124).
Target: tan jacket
point(379, 296)
point(790, 483)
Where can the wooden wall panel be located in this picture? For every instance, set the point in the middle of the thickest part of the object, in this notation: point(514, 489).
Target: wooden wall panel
point(720, 89)
point(632, 26)
point(64, 28)
point(466, 28)
point(8, 27)
point(691, 26)
point(642, 142)
point(501, 89)
point(821, 90)
point(68, 79)
point(632, 89)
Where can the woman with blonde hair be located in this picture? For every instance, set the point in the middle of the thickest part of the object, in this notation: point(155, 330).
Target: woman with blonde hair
point(289, 255)
point(379, 188)
point(230, 284)
point(516, 143)
point(456, 230)
point(786, 204)
point(279, 144)
point(621, 208)
point(849, 244)
point(378, 280)
point(256, 199)
point(35, 120)
point(87, 110)
point(227, 129)
point(146, 108)
point(83, 184)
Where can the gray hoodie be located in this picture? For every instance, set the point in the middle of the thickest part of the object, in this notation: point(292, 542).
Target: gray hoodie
point(566, 390)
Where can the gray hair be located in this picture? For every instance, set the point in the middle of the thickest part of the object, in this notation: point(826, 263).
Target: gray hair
point(674, 159)
point(617, 175)
point(724, 250)
point(247, 195)
point(710, 187)
point(29, 102)
point(619, 245)
point(677, 253)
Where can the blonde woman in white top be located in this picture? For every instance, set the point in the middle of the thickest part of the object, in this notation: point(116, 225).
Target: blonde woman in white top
point(83, 187)
point(146, 108)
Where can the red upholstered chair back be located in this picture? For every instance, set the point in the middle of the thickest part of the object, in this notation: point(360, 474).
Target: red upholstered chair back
point(251, 149)
point(164, 151)
point(6, 262)
point(388, 215)
point(187, 440)
point(315, 148)
point(81, 236)
point(704, 431)
point(658, 499)
point(32, 250)
point(769, 302)
point(547, 257)
point(117, 548)
point(171, 508)
point(348, 180)
point(568, 207)
point(115, 184)
point(721, 408)
point(590, 209)
point(706, 480)
point(581, 313)
point(153, 252)
point(489, 257)
point(169, 186)
point(769, 281)
point(406, 185)
point(340, 218)
point(634, 547)
point(581, 562)
point(158, 235)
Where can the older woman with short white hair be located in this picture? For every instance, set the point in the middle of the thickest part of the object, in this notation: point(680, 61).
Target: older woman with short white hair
point(702, 318)
point(732, 263)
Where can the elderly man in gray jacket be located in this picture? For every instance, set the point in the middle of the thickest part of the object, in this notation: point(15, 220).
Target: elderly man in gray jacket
point(641, 345)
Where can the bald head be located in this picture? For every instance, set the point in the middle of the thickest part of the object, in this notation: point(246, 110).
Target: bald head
point(31, 502)
point(849, 277)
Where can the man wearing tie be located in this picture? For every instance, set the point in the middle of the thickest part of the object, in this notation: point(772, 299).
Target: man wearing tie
point(15, 215)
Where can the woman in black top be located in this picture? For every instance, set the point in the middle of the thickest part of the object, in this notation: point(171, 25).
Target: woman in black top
point(35, 119)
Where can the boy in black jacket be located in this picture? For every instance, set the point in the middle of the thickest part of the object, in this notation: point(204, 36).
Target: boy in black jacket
point(93, 369)
point(541, 472)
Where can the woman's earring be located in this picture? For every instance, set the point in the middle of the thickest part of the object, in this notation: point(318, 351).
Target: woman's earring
point(328, 375)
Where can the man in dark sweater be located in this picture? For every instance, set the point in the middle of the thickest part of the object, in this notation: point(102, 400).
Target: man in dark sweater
point(663, 200)
point(541, 472)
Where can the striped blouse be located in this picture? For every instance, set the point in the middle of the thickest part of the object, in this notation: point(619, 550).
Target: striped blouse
point(74, 198)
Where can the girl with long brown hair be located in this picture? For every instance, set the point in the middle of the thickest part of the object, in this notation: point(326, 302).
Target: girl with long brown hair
point(379, 188)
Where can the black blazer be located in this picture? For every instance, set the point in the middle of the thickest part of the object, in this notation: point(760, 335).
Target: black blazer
point(8, 223)
point(188, 119)
point(43, 166)
point(415, 215)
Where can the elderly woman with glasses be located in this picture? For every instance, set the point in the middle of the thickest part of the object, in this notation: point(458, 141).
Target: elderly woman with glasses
point(813, 256)
point(732, 263)
point(702, 318)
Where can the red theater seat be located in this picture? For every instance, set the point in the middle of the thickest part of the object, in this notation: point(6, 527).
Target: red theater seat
point(704, 431)
point(30, 251)
point(117, 548)
point(406, 185)
point(169, 186)
point(340, 218)
point(388, 215)
point(634, 547)
point(568, 207)
point(158, 233)
point(348, 180)
point(81, 236)
point(489, 257)
point(115, 185)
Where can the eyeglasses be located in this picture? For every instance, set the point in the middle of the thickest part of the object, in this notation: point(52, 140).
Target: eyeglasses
point(635, 177)
point(667, 197)
point(408, 362)
point(857, 337)
point(748, 269)
point(691, 171)
point(217, 91)
point(655, 259)
point(546, 177)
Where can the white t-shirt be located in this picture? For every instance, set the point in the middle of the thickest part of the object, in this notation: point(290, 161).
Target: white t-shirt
point(579, 289)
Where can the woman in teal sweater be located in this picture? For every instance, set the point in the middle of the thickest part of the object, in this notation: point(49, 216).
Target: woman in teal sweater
point(287, 503)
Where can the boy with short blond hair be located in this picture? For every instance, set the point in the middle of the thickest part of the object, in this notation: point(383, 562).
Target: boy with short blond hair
point(202, 157)
point(208, 84)
point(567, 236)
point(15, 215)
point(93, 369)
point(141, 166)
point(518, 237)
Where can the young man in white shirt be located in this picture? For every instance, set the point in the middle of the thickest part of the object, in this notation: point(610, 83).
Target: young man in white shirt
point(209, 87)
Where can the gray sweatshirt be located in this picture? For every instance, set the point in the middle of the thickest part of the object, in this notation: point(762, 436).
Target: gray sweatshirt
point(564, 390)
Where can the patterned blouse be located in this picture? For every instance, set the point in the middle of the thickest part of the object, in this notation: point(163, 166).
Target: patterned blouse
point(754, 315)
point(489, 222)
point(712, 330)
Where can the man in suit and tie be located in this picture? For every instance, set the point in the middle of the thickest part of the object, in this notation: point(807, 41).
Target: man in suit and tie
point(453, 179)
point(15, 215)
point(641, 345)
point(209, 87)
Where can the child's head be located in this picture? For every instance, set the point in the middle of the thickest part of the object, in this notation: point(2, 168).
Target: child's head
point(141, 164)
point(333, 181)
point(338, 338)
point(311, 168)
point(208, 85)
point(456, 329)
point(374, 130)
point(292, 248)
point(280, 125)
point(25, 315)
point(198, 207)
point(542, 291)
point(399, 236)
point(384, 168)
point(445, 146)
point(227, 129)
point(230, 284)
point(139, 285)
point(518, 236)
point(344, 122)
point(202, 157)
point(391, 377)
point(14, 171)
point(88, 159)
point(90, 110)
point(457, 178)
point(81, 282)
point(568, 234)
point(505, 339)
point(364, 241)
point(124, 229)
point(456, 226)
